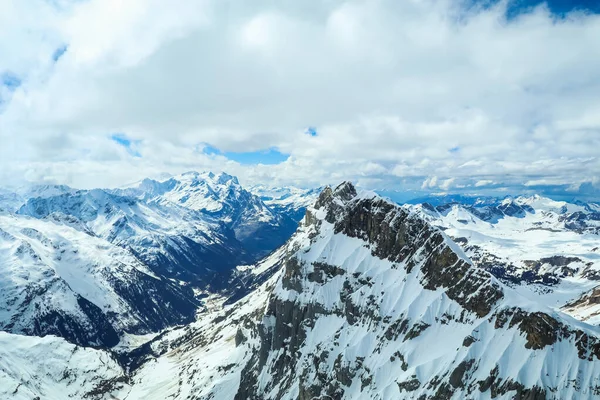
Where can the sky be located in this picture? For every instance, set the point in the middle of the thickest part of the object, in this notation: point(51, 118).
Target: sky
point(421, 96)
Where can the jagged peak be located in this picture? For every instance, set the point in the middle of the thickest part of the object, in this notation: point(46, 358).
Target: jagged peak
point(220, 178)
point(345, 191)
point(223, 178)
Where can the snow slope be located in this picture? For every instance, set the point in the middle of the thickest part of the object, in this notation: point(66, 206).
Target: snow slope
point(258, 227)
point(51, 368)
point(174, 241)
point(367, 300)
point(57, 280)
point(531, 243)
point(93, 265)
point(288, 200)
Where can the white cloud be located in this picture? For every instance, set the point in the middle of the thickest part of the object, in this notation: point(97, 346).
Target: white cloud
point(447, 184)
point(430, 183)
point(483, 182)
point(423, 93)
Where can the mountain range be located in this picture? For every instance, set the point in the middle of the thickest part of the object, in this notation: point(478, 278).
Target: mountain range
point(89, 265)
point(194, 287)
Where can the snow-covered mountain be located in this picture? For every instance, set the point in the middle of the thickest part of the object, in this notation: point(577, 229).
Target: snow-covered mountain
point(58, 280)
point(536, 211)
point(92, 265)
point(288, 200)
point(50, 368)
point(12, 199)
point(257, 226)
point(172, 240)
point(367, 300)
point(547, 249)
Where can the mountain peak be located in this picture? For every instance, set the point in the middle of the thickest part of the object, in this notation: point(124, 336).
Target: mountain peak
point(224, 178)
point(345, 191)
point(220, 178)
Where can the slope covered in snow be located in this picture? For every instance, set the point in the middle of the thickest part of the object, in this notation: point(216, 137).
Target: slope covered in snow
point(287, 200)
point(174, 241)
point(51, 368)
point(93, 265)
point(367, 300)
point(548, 250)
point(55, 279)
point(371, 301)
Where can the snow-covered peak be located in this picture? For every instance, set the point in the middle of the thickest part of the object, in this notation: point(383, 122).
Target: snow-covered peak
point(45, 190)
point(200, 191)
point(290, 201)
point(220, 178)
point(540, 203)
point(12, 200)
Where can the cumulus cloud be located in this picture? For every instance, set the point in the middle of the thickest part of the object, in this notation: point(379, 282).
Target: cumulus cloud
point(483, 182)
point(427, 94)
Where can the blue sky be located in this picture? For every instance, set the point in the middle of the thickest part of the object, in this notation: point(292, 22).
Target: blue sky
point(10, 80)
point(432, 96)
point(557, 7)
point(59, 52)
point(128, 144)
point(266, 157)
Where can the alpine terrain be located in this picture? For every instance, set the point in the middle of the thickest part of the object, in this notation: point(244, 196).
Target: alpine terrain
point(94, 265)
point(366, 300)
point(547, 250)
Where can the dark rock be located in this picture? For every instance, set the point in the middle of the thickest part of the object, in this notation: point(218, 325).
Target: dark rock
point(468, 341)
point(456, 377)
point(410, 385)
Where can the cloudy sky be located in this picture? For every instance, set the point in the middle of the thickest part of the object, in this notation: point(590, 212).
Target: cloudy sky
point(421, 95)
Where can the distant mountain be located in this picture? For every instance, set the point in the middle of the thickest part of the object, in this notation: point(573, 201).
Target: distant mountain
point(437, 200)
point(62, 281)
point(12, 199)
point(173, 240)
point(220, 196)
point(548, 250)
point(9, 200)
point(290, 201)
